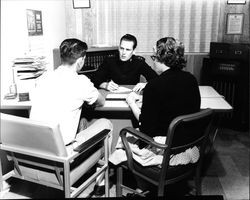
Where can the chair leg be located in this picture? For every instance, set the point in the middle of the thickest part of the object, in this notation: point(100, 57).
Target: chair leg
point(198, 182)
point(107, 182)
point(106, 157)
point(66, 180)
point(119, 182)
point(1, 177)
point(161, 190)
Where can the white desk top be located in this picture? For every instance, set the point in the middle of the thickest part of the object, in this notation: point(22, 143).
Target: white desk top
point(208, 92)
point(15, 104)
point(217, 103)
point(209, 99)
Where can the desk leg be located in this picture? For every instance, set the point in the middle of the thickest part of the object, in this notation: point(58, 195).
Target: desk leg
point(118, 125)
point(1, 176)
point(213, 131)
point(3, 184)
point(119, 120)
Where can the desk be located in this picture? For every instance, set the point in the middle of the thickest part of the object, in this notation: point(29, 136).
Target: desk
point(120, 114)
point(210, 98)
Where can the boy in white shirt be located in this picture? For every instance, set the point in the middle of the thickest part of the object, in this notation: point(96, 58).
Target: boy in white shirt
point(59, 95)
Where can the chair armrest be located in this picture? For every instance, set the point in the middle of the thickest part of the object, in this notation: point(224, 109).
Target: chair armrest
point(92, 141)
point(142, 137)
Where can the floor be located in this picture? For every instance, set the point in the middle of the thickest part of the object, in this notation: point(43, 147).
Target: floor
point(226, 172)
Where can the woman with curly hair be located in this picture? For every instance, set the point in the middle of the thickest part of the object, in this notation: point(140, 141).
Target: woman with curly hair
point(173, 93)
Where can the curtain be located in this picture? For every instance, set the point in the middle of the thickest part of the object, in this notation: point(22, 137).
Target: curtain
point(194, 22)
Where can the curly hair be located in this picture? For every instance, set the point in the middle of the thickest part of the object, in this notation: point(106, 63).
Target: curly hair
point(71, 49)
point(170, 52)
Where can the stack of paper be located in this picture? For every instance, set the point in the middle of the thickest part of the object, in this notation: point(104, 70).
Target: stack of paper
point(29, 67)
point(122, 89)
point(116, 96)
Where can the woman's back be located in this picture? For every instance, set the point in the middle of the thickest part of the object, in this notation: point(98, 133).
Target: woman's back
point(174, 93)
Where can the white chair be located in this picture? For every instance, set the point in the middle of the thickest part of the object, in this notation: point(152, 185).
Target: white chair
point(39, 155)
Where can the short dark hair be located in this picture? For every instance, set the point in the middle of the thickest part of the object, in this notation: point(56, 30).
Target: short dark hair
point(129, 37)
point(71, 49)
point(170, 52)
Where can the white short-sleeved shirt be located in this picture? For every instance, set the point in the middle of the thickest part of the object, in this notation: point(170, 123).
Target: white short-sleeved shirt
point(58, 98)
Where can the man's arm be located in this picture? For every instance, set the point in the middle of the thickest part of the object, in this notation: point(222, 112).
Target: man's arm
point(147, 71)
point(100, 101)
point(110, 86)
point(101, 75)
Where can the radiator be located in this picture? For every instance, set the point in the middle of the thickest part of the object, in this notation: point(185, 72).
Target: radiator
point(227, 89)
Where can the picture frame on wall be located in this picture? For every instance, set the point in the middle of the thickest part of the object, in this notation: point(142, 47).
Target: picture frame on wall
point(34, 22)
point(236, 1)
point(78, 4)
point(235, 23)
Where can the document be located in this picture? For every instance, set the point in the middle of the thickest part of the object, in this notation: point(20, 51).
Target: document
point(116, 104)
point(122, 89)
point(116, 96)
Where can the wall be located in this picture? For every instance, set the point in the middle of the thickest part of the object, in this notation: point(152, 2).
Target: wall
point(194, 61)
point(58, 24)
point(79, 19)
point(15, 41)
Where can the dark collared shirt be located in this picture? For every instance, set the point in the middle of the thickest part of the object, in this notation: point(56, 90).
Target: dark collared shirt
point(123, 73)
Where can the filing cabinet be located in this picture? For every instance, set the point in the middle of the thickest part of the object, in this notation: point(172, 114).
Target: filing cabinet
point(227, 70)
point(235, 51)
point(219, 50)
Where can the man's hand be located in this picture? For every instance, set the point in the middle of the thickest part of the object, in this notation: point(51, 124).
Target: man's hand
point(139, 87)
point(132, 98)
point(111, 86)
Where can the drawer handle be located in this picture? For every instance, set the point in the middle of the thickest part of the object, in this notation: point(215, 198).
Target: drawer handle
point(219, 51)
point(238, 52)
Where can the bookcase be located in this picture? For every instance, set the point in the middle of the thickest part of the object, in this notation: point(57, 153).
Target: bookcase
point(94, 57)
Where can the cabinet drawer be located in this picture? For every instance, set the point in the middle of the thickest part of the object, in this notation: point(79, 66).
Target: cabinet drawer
point(219, 50)
point(239, 52)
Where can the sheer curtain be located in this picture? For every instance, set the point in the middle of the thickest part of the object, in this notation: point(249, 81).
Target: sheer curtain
point(195, 22)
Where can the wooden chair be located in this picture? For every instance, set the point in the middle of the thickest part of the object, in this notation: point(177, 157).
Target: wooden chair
point(192, 128)
point(39, 155)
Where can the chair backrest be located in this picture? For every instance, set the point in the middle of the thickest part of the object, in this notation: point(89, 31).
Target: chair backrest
point(32, 135)
point(187, 131)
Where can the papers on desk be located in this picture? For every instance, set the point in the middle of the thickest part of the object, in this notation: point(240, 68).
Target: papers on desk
point(116, 96)
point(116, 104)
point(122, 89)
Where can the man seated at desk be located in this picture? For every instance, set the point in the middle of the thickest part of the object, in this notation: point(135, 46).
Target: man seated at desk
point(125, 69)
point(59, 96)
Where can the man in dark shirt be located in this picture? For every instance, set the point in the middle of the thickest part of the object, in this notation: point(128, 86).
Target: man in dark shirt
point(124, 69)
